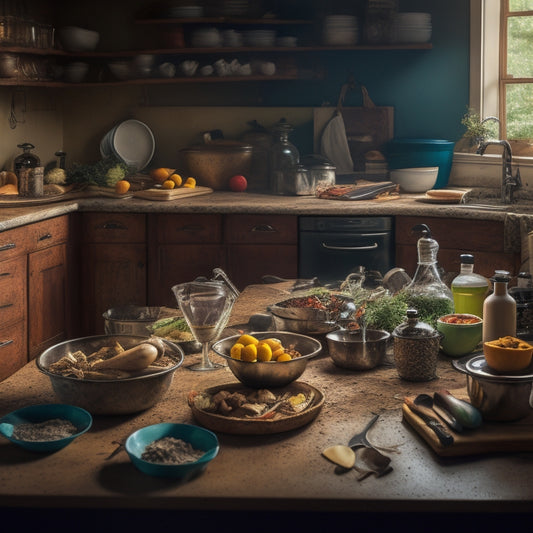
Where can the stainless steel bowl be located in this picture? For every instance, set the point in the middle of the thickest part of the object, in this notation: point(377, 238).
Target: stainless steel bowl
point(270, 374)
point(498, 397)
point(113, 396)
point(349, 350)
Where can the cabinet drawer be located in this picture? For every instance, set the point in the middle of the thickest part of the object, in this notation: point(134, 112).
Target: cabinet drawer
point(12, 290)
point(13, 349)
point(48, 233)
point(466, 234)
point(172, 229)
point(14, 242)
point(112, 227)
point(261, 229)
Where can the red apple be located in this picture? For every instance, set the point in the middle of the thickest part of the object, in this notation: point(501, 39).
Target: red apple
point(238, 183)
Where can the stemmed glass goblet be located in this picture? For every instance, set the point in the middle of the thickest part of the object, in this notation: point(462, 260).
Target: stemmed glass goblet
point(206, 306)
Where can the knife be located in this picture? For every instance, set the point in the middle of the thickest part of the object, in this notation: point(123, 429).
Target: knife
point(445, 438)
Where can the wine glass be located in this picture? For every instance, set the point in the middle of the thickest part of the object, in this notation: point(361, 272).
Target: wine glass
point(206, 306)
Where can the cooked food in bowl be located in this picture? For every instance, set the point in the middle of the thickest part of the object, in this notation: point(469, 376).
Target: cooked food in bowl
point(507, 354)
point(110, 390)
point(461, 333)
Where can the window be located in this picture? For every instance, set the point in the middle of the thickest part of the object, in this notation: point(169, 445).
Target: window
point(501, 82)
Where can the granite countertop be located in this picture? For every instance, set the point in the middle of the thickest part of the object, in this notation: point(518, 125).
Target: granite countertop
point(249, 203)
point(270, 473)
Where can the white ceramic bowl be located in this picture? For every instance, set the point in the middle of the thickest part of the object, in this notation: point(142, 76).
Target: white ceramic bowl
point(415, 180)
point(76, 39)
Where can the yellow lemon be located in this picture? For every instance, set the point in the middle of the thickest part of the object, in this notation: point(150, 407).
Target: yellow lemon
point(277, 353)
point(273, 343)
point(247, 339)
point(235, 351)
point(168, 184)
point(264, 352)
point(284, 357)
point(249, 353)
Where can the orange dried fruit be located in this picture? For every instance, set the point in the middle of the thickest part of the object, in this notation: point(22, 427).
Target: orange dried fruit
point(176, 178)
point(247, 339)
point(168, 184)
point(284, 357)
point(190, 182)
point(122, 187)
point(264, 352)
point(235, 351)
point(161, 174)
point(249, 353)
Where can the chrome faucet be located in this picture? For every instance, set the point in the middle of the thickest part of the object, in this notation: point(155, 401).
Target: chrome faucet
point(510, 183)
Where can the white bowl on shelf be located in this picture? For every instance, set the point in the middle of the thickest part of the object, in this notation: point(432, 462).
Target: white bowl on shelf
point(75, 39)
point(76, 71)
point(415, 180)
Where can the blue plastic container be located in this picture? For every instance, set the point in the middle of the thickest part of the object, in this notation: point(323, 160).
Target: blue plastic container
point(415, 153)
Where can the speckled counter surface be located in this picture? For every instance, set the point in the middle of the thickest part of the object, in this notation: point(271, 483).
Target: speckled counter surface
point(243, 203)
point(283, 472)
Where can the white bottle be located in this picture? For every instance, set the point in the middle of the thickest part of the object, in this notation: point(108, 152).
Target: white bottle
point(499, 310)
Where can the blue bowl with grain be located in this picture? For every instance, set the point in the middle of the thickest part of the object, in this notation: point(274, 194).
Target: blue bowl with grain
point(180, 451)
point(45, 427)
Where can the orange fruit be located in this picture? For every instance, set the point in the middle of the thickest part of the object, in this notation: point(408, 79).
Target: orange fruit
point(161, 174)
point(176, 178)
point(264, 352)
point(122, 187)
point(191, 183)
point(284, 357)
point(168, 184)
point(249, 353)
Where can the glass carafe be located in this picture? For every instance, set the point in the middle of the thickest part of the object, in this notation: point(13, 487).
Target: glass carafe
point(283, 156)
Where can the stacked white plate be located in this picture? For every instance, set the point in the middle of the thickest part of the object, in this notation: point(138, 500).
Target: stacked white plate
point(340, 30)
point(131, 141)
point(412, 28)
point(260, 37)
point(206, 38)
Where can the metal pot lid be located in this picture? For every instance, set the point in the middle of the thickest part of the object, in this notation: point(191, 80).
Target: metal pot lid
point(475, 365)
point(219, 146)
point(316, 161)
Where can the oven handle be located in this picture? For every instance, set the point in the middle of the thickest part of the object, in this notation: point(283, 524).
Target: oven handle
point(350, 248)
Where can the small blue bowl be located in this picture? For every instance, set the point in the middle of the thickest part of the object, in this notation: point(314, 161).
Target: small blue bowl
point(40, 413)
point(199, 438)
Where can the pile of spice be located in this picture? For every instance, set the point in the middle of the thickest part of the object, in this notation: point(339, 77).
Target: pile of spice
point(170, 450)
point(53, 429)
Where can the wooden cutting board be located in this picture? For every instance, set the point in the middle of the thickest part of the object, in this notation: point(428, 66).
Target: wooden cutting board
point(367, 128)
point(166, 195)
point(490, 437)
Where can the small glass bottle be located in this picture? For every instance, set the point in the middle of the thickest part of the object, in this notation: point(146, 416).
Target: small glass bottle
point(499, 309)
point(469, 289)
point(427, 281)
point(29, 172)
point(283, 156)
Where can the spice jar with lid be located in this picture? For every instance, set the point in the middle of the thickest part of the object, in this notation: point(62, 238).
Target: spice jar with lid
point(29, 172)
point(416, 349)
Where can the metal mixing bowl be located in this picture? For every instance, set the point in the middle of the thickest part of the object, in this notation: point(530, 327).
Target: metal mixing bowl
point(270, 374)
point(349, 350)
point(111, 396)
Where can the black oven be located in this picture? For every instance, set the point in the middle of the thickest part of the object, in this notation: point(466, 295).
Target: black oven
point(332, 247)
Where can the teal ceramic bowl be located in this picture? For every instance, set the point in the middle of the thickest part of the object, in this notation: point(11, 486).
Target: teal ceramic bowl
point(40, 413)
point(199, 438)
point(459, 338)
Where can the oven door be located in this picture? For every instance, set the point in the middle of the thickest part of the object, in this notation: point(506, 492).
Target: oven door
point(330, 248)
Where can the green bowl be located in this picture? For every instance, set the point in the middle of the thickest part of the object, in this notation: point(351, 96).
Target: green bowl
point(459, 339)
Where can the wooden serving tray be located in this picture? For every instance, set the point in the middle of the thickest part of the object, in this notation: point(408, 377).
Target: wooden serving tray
point(166, 195)
point(490, 437)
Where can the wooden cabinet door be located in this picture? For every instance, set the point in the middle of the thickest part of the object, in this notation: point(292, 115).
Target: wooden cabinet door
point(113, 275)
point(171, 264)
point(48, 290)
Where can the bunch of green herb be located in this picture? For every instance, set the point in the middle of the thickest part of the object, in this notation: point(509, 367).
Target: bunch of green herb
point(104, 173)
point(388, 312)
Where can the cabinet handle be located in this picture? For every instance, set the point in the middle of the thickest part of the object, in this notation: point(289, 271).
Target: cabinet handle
point(264, 227)
point(45, 237)
point(8, 246)
point(4, 274)
point(113, 225)
point(5, 306)
point(351, 248)
point(6, 343)
point(191, 227)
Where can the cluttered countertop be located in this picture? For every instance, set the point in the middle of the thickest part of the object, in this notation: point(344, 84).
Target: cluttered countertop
point(273, 472)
